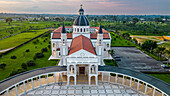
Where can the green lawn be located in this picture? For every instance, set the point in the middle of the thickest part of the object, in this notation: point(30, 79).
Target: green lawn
point(110, 62)
point(23, 57)
point(163, 77)
point(16, 40)
point(119, 41)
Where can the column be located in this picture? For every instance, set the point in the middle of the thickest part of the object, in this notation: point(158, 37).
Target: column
point(138, 85)
point(109, 77)
point(61, 77)
point(47, 80)
point(130, 81)
point(96, 80)
point(71, 68)
point(40, 80)
point(89, 80)
point(7, 92)
point(32, 83)
point(75, 80)
point(153, 91)
point(146, 88)
point(102, 76)
point(68, 80)
point(54, 78)
point(16, 90)
point(116, 79)
point(24, 88)
point(123, 80)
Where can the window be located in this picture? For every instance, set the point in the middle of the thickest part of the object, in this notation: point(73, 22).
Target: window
point(100, 41)
point(77, 29)
point(84, 30)
point(107, 45)
point(63, 40)
point(81, 30)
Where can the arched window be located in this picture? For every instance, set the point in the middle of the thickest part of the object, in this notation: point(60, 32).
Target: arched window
point(77, 29)
point(81, 30)
point(84, 30)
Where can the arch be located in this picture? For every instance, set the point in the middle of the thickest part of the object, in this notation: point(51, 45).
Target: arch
point(54, 45)
point(54, 52)
point(71, 69)
point(93, 80)
point(71, 80)
point(93, 69)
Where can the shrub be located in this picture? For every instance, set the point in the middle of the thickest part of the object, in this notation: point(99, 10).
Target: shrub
point(2, 66)
point(13, 57)
point(44, 49)
point(49, 46)
point(28, 50)
point(24, 66)
point(39, 55)
point(30, 63)
point(34, 58)
point(0, 55)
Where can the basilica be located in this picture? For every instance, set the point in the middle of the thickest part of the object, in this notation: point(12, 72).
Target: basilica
point(81, 48)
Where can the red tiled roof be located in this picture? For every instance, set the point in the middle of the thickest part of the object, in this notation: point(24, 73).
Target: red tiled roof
point(104, 31)
point(59, 29)
point(81, 42)
point(94, 36)
point(57, 35)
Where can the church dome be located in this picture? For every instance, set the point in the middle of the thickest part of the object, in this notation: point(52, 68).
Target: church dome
point(81, 20)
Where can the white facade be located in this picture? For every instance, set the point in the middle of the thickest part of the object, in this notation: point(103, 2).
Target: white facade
point(81, 62)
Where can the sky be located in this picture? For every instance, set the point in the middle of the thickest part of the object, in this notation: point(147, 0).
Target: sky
point(91, 7)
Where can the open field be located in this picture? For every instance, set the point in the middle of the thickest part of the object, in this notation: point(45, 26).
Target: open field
point(119, 41)
point(18, 39)
point(23, 57)
point(141, 39)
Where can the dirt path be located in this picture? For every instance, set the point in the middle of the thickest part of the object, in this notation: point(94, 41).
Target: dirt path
point(1, 51)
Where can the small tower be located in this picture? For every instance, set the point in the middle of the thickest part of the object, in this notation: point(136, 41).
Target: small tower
point(64, 46)
point(99, 45)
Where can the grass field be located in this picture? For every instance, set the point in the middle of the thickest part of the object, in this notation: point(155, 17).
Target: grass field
point(18, 39)
point(163, 77)
point(120, 41)
point(23, 57)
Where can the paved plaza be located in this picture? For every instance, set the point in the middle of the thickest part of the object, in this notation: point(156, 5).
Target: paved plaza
point(132, 58)
point(103, 89)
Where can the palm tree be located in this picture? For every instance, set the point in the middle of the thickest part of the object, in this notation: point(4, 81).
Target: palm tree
point(160, 50)
point(168, 55)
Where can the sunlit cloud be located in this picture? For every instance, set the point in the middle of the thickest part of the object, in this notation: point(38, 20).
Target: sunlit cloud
point(90, 6)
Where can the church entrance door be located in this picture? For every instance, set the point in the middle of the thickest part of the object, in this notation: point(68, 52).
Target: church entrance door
point(82, 70)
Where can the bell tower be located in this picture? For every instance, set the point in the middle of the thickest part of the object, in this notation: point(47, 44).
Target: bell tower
point(99, 45)
point(64, 46)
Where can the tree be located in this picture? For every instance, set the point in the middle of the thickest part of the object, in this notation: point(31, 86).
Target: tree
point(168, 55)
point(2, 66)
point(112, 52)
point(160, 50)
point(135, 20)
point(8, 20)
point(126, 35)
point(149, 45)
point(24, 65)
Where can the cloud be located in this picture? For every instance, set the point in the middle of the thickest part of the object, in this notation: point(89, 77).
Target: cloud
point(90, 6)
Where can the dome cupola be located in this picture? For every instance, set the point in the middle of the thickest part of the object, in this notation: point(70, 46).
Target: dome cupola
point(81, 20)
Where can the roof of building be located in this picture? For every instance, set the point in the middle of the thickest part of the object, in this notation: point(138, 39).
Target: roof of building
point(94, 36)
point(57, 35)
point(63, 29)
point(81, 42)
point(100, 30)
point(81, 20)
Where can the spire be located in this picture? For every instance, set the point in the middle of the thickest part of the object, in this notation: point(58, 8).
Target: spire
point(81, 11)
point(100, 29)
point(63, 27)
